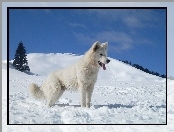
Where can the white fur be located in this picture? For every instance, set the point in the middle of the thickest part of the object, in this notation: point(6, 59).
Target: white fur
point(81, 76)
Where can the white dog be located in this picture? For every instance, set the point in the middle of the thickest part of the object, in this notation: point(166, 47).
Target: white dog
point(82, 76)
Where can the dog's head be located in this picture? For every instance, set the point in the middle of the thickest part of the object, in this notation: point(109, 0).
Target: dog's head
point(100, 51)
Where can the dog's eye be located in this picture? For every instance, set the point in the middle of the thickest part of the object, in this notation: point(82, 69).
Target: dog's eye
point(101, 54)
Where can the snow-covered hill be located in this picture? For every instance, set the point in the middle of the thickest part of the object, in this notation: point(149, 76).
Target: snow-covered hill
point(116, 69)
point(122, 95)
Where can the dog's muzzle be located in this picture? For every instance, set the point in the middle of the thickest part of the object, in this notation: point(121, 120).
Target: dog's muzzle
point(103, 65)
point(108, 61)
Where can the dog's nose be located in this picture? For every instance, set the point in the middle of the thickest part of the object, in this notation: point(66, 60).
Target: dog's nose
point(108, 61)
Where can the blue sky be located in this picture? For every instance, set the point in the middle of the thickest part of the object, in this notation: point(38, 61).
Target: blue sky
point(136, 35)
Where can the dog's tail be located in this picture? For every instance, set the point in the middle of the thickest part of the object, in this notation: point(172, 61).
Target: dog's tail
point(36, 92)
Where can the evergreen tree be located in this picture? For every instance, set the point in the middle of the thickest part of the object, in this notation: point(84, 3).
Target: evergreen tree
point(20, 61)
point(146, 70)
point(163, 76)
point(130, 63)
point(143, 69)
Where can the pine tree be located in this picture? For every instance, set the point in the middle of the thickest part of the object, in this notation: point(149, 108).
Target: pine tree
point(20, 61)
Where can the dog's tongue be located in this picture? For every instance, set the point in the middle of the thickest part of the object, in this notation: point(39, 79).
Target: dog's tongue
point(104, 68)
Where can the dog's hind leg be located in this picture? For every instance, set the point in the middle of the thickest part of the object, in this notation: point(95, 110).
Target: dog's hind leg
point(51, 101)
point(55, 97)
point(55, 92)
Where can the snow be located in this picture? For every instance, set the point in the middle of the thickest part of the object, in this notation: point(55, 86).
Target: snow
point(122, 95)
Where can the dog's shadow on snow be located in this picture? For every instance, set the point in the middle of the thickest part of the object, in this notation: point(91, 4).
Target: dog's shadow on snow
point(110, 106)
point(113, 106)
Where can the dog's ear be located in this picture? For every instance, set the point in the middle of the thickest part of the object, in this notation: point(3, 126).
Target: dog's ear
point(105, 45)
point(96, 46)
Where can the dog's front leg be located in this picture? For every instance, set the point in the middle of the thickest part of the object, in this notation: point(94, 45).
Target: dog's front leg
point(83, 96)
point(89, 95)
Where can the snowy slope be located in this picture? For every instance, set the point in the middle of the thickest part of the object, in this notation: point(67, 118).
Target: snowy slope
point(122, 95)
point(117, 69)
